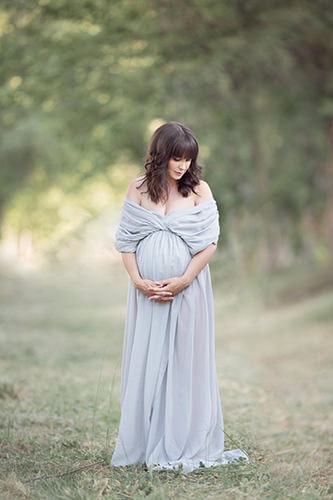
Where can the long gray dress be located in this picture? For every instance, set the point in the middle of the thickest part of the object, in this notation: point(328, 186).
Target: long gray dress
point(171, 411)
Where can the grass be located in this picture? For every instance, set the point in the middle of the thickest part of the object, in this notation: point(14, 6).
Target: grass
point(60, 354)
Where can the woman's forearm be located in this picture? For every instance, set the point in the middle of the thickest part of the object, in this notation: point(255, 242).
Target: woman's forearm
point(131, 266)
point(146, 286)
point(176, 284)
point(198, 262)
point(166, 289)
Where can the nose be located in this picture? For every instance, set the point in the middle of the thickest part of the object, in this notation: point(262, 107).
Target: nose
point(183, 164)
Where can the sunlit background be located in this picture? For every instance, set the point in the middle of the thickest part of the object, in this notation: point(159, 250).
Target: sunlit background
point(83, 84)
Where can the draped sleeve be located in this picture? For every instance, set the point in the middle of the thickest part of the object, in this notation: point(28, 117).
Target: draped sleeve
point(135, 224)
point(199, 227)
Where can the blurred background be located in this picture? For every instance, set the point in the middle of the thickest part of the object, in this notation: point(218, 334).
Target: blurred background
point(84, 83)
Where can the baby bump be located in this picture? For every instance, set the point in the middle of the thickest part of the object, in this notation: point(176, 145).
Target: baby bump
point(162, 255)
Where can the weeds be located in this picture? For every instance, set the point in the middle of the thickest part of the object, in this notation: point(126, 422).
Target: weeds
point(59, 397)
point(8, 390)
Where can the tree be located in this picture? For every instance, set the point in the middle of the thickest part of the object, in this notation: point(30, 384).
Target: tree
point(253, 80)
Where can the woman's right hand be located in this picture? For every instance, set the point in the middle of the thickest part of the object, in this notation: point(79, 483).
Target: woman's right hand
point(153, 290)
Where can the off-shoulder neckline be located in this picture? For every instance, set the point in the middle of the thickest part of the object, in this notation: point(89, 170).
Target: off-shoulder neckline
point(182, 210)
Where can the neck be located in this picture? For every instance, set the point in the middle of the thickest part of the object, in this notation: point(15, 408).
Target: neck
point(172, 185)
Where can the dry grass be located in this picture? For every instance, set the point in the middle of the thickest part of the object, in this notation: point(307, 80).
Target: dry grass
point(61, 339)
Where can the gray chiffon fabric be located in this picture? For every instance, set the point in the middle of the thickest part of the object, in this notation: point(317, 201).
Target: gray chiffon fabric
point(170, 404)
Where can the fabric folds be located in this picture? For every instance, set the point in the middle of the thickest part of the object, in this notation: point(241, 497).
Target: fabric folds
point(170, 404)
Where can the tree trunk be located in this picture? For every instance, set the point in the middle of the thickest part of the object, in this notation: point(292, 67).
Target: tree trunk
point(2, 211)
point(329, 210)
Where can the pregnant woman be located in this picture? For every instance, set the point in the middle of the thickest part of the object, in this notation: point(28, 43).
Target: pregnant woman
point(170, 406)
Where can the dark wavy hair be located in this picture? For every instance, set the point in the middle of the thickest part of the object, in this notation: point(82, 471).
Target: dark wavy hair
point(171, 140)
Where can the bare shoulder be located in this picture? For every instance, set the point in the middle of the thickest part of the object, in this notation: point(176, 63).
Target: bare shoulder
point(204, 192)
point(133, 191)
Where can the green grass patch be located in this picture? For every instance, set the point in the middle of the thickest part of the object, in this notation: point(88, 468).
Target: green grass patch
point(60, 358)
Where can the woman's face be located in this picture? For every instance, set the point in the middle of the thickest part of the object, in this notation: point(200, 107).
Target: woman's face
point(177, 168)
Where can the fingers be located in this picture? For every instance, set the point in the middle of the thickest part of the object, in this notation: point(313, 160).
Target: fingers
point(155, 292)
point(159, 298)
point(161, 295)
point(160, 291)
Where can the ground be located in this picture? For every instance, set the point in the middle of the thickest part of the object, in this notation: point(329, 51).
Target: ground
point(60, 354)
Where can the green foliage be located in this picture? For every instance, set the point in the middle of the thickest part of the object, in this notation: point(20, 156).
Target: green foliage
point(82, 82)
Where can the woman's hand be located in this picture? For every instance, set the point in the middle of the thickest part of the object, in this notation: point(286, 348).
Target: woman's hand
point(172, 286)
point(154, 290)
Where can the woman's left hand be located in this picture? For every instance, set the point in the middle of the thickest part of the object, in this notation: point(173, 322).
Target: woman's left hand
point(173, 285)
